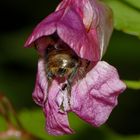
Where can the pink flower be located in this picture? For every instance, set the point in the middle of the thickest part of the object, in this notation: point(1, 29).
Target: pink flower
point(82, 28)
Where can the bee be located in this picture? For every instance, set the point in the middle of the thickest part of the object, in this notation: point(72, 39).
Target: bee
point(61, 62)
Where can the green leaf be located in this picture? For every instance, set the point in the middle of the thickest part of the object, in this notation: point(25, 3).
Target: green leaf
point(135, 3)
point(133, 84)
point(126, 15)
point(34, 122)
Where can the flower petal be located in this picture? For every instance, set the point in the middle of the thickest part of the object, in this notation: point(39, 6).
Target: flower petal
point(75, 35)
point(105, 25)
point(97, 19)
point(41, 86)
point(63, 100)
point(57, 120)
point(83, 8)
point(70, 27)
point(82, 15)
point(45, 28)
point(94, 97)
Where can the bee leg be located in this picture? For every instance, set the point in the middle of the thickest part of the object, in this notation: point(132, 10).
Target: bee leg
point(50, 75)
point(64, 87)
point(69, 83)
point(69, 87)
point(73, 73)
point(49, 78)
point(70, 79)
point(87, 64)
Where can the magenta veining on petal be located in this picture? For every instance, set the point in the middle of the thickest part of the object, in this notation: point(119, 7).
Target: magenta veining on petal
point(71, 76)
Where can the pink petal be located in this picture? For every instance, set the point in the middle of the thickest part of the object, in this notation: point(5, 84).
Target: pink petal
point(57, 119)
point(41, 86)
point(45, 28)
point(70, 28)
point(85, 25)
point(94, 97)
point(75, 35)
point(105, 25)
point(62, 99)
point(97, 19)
point(83, 8)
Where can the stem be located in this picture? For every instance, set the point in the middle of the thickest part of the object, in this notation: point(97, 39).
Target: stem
point(7, 111)
point(133, 84)
point(13, 130)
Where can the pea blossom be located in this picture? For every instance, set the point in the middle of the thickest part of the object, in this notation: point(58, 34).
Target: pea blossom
point(85, 26)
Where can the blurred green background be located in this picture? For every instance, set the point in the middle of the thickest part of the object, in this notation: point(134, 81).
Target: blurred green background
point(18, 72)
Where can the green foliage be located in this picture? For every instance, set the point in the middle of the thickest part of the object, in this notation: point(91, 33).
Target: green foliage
point(126, 15)
point(33, 121)
point(135, 3)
